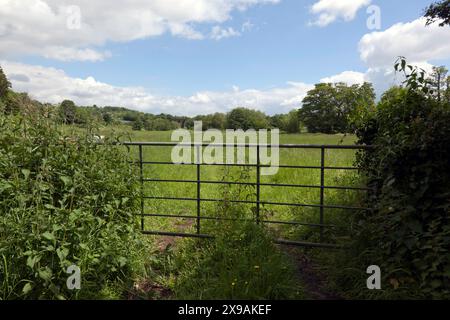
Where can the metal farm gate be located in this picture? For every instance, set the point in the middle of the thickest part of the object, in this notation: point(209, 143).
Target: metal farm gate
point(258, 202)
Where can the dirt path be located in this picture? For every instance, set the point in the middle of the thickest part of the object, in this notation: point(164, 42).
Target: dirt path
point(164, 242)
point(311, 278)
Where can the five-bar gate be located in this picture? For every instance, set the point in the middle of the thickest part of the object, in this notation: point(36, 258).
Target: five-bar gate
point(323, 168)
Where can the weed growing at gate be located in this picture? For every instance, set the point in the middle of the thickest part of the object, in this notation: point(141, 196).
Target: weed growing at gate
point(64, 201)
point(241, 263)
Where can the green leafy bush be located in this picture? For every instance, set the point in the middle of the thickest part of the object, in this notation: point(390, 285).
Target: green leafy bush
point(408, 233)
point(64, 201)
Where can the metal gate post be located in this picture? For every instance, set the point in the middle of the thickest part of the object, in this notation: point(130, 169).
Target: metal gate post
point(141, 168)
point(198, 188)
point(322, 189)
point(258, 185)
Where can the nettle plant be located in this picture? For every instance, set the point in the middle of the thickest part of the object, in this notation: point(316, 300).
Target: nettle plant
point(64, 201)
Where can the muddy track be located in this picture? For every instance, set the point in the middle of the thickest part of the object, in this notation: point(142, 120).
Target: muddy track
point(311, 278)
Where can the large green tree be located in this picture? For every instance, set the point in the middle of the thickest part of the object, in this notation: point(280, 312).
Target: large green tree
point(328, 107)
point(293, 122)
point(211, 121)
point(4, 84)
point(243, 118)
point(68, 111)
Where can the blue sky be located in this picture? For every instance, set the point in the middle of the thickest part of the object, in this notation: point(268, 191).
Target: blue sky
point(263, 54)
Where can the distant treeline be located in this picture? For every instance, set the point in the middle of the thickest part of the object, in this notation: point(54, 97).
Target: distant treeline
point(328, 108)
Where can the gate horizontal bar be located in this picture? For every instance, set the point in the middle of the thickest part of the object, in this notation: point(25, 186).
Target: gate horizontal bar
point(262, 202)
point(177, 234)
point(278, 241)
point(244, 165)
point(308, 244)
point(261, 184)
point(176, 216)
point(250, 145)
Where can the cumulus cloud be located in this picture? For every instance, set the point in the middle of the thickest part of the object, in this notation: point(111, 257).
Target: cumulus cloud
point(329, 11)
point(77, 29)
point(418, 43)
point(349, 77)
point(413, 40)
point(54, 85)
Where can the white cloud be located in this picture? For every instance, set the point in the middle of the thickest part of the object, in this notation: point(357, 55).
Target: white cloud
point(54, 85)
point(50, 27)
point(329, 11)
point(349, 77)
point(413, 40)
point(218, 33)
point(418, 43)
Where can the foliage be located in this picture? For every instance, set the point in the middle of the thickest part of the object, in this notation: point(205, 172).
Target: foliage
point(159, 124)
point(439, 83)
point(138, 124)
point(107, 118)
point(64, 201)
point(210, 121)
point(328, 108)
point(438, 11)
point(243, 118)
point(4, 84)
point(278, 121)
point(408, 234)
point(68, 111)
point(241, 263)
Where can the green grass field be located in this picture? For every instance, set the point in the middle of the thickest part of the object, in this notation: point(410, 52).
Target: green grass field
point(306, 157)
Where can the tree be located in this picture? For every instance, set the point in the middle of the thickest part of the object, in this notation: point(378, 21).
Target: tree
point(20, 102)
point(438, 11)
point(210, 121)
point(447, 90)
point(319, 112)
point(279, 121)
point(138, 125)
point(161, 124)
point(243, 118)
point(5, 85)
point(107, 118)
point(68, 111)
point(438, 81)
point(328, 108)
point(293, 122)
point(217, 121)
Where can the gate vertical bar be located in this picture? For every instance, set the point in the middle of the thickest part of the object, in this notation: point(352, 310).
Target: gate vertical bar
point(141, 168)
point(198, 188)
point(258, 184)
point(322, 190)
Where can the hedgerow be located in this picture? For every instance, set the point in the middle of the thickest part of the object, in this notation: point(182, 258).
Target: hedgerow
point(64, 201)
point(408, 233)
